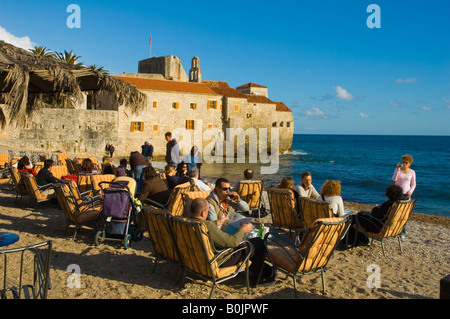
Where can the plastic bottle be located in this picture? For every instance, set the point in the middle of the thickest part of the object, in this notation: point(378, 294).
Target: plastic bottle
point(261, 231)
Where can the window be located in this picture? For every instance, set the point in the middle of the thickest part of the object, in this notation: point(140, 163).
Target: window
point(176, 105)
point(190, 124)
point(212, 104)
point(155, 104)
point(137, 126)
point(155, 128)
point(193, 106)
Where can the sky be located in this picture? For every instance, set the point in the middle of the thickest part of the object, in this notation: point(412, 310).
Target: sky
point(342, 67)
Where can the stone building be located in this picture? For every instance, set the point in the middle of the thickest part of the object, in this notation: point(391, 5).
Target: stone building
point(197, 112)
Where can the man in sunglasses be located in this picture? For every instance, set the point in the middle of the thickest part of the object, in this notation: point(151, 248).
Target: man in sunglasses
point(222, 201)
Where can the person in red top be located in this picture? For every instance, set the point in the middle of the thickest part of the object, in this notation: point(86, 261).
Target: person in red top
point(24, 165)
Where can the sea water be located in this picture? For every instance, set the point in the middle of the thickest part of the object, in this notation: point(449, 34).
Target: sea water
point(364, 164)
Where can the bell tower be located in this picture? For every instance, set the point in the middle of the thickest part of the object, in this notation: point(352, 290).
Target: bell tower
point(195, 73)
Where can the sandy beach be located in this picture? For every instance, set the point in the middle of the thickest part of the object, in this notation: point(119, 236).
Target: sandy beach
point(109, 271)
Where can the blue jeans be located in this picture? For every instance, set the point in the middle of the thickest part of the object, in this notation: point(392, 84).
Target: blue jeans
point(137, 172)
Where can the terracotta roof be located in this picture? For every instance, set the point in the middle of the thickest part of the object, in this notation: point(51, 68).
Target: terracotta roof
point(222, 88)
point(281, 107)
point(251, 85)
point(167, 85)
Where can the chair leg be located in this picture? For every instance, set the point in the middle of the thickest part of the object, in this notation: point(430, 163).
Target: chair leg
point(295, 287)
point(212, 290)
point(382, 247)
point(323, 282)
point(400, 243)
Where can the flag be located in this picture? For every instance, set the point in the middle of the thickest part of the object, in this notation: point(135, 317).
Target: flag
point(150, 42)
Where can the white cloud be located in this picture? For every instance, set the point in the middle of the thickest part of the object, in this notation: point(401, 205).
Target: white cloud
point(315, 111)
point(23, 42)
point(407, 81)
point(363, 115)
point(397, 104)
point(342, 93)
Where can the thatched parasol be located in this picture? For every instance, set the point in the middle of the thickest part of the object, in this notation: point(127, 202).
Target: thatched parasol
point(25, 77)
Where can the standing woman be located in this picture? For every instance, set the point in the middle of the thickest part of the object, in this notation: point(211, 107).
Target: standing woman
point(405, 177)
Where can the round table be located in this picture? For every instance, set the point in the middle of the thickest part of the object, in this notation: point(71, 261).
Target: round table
point(8, 238)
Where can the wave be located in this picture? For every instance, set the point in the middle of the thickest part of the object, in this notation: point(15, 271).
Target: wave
point(295, 153)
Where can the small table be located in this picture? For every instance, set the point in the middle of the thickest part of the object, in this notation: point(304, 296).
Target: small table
point(8, 238)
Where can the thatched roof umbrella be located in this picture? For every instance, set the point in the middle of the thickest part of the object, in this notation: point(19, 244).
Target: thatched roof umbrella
point(25, 77)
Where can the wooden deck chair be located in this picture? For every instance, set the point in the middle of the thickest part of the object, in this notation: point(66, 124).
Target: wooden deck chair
point(97, 179)
point(188, 197)
point(200, 256)
point(19, 185)
point(84, 182)
point(175, 202)
point(4, 161)
point(33, 259)
point(38, 194)
point(282, 208)
point(398, 215)
point(314, 251)
point(157, 223)
point(59, 171)
point(78, 211)
point(250, 191)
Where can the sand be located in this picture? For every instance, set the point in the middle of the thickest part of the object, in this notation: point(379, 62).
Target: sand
point(109, 271)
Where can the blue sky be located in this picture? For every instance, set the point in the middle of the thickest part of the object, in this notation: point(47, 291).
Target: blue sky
point(320, 58)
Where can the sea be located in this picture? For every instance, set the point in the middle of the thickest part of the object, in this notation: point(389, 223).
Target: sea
point(364, 164)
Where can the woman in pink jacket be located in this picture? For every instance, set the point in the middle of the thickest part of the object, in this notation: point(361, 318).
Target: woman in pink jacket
point(405, 177)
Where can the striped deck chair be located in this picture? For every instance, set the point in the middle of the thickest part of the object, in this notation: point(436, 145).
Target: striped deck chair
point(188, 197)
point(282, 208)
point(250, 192)
point(19, 185)
point(38, 194)
point(78, 211)
point(200, 256)
point(157, 223)
point(314, 252)
point(97, 179)
point(397, 217)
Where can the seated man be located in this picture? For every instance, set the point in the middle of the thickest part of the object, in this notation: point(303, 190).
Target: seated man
point(194, 174)
point(306, 188)
point(220, 239)
point(221, 201)
point(45, 177)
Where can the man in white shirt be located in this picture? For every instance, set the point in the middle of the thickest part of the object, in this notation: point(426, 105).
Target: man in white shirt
point(193, 174)
point(306, 188)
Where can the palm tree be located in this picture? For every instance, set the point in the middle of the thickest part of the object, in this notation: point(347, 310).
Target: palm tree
point(99, 69)
point(43, 52)
point(69, 58)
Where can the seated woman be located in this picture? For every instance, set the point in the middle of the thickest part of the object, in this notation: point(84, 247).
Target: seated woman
point(171, 177)
point(107, 166)
point(155, 188)
point(331, 193)
point(24, 165)
point(288, 183)
point(87, 167)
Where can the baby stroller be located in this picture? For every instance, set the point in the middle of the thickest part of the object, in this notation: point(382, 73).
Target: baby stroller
point(119, 212)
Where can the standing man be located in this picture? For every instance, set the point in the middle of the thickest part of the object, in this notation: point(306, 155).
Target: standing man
point(172, 150)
